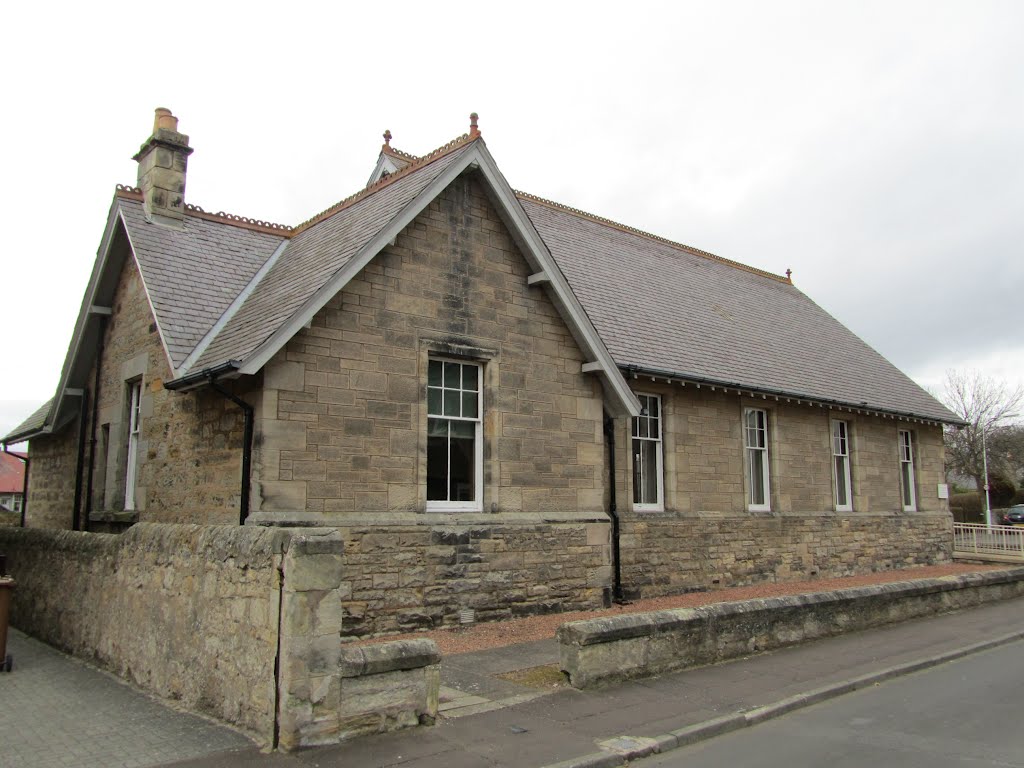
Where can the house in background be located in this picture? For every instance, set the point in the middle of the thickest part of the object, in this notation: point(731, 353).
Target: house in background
point(505, 405)
point(12, 486)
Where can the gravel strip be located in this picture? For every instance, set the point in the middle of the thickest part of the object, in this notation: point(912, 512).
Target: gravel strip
point(478, 637)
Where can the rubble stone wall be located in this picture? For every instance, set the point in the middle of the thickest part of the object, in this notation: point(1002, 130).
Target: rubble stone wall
point(668, 553)
point(600, 651)
point(404, 578)
point(188, 612)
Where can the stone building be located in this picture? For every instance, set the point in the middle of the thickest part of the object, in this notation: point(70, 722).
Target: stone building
point(504, 405)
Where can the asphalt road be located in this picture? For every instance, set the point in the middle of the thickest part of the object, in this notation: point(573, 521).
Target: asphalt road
point(964, 713)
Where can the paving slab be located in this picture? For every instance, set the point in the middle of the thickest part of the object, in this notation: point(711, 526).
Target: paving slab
point(57, 711)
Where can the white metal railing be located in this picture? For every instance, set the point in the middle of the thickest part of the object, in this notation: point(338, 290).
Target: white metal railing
point(984, 542)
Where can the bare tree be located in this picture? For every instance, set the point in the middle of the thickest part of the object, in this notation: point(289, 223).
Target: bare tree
point(983, 403)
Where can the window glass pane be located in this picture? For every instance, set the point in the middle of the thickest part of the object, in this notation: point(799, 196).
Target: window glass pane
point(841, 499)
point(755, 429)
point(435, 369)
point(452, 373)
point(469, 377)
point(462, 428)
point(653, 407)
point(434, 401)
point(654, 428)
point(649, 480)
point(463, 471)
point(908, 482)
point(756, 462)
point(469, 405)
point(451, 403)
point(437, 461)
point(638, 471)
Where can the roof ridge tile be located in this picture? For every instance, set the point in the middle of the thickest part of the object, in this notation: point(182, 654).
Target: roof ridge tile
point(387, 149)
point(129, 192)
point(416, 163)
point(657, 238)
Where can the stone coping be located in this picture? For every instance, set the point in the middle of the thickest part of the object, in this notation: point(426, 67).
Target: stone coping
point(386, 520)
point(357, 661)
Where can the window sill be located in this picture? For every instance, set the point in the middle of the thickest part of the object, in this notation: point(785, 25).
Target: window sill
point(648, 507)
point(126, 516)
point(440, 506)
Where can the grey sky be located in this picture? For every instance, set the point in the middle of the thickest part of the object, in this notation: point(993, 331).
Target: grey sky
point(873, 148)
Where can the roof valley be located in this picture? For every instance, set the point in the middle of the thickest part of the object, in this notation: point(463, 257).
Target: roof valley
point(233, 307)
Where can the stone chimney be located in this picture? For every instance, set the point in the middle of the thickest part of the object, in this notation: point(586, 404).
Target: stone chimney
point(163, 160)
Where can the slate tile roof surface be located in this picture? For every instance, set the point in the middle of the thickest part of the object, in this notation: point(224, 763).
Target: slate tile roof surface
point(657, 306)
point(193, 274)
point(662, 308)
point(310, 260)
point(33, 423)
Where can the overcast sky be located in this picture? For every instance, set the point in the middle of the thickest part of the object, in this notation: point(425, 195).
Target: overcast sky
point(872, 148)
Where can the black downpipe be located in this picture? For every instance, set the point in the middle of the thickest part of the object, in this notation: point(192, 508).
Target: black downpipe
point(83, 424)
point(609, 433)
point(247, 411)
point(24, 485)
point(92, 427)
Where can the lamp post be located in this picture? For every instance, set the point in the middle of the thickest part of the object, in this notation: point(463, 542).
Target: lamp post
point(984, 462)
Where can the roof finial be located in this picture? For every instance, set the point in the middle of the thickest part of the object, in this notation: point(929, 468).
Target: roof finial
point(474, 132)
point(387, 138)
point(789, 275)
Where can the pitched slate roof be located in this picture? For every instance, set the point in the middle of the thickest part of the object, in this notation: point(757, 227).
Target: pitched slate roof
point(313, 255)
point(32, 424)
point(222, 287)
point(192, 274)
point(664, 307)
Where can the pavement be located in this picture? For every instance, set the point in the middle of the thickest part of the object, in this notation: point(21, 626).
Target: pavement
point(58, 711)
point(510, 707)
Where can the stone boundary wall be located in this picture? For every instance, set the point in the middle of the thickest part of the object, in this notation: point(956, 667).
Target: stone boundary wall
point(599, 651)
point(665, 553)
point(197, 614)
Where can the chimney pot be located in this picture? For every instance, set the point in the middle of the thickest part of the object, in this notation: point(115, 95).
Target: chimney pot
point(164, 119)
point(473, 130)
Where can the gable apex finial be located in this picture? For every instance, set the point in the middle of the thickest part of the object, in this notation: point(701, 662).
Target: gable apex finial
point(387, 138)
point(474, 132)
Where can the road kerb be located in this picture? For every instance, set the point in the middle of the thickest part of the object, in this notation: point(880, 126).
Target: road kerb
point(708, 729)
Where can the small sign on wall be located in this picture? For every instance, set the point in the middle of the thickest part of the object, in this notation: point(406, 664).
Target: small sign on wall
point(943, 491)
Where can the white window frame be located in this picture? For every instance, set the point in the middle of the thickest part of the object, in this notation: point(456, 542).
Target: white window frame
point(757, 453)
point(908, 482)
point(476, 504)
point(841, 454)
point(638, 468)
point(131, 462)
